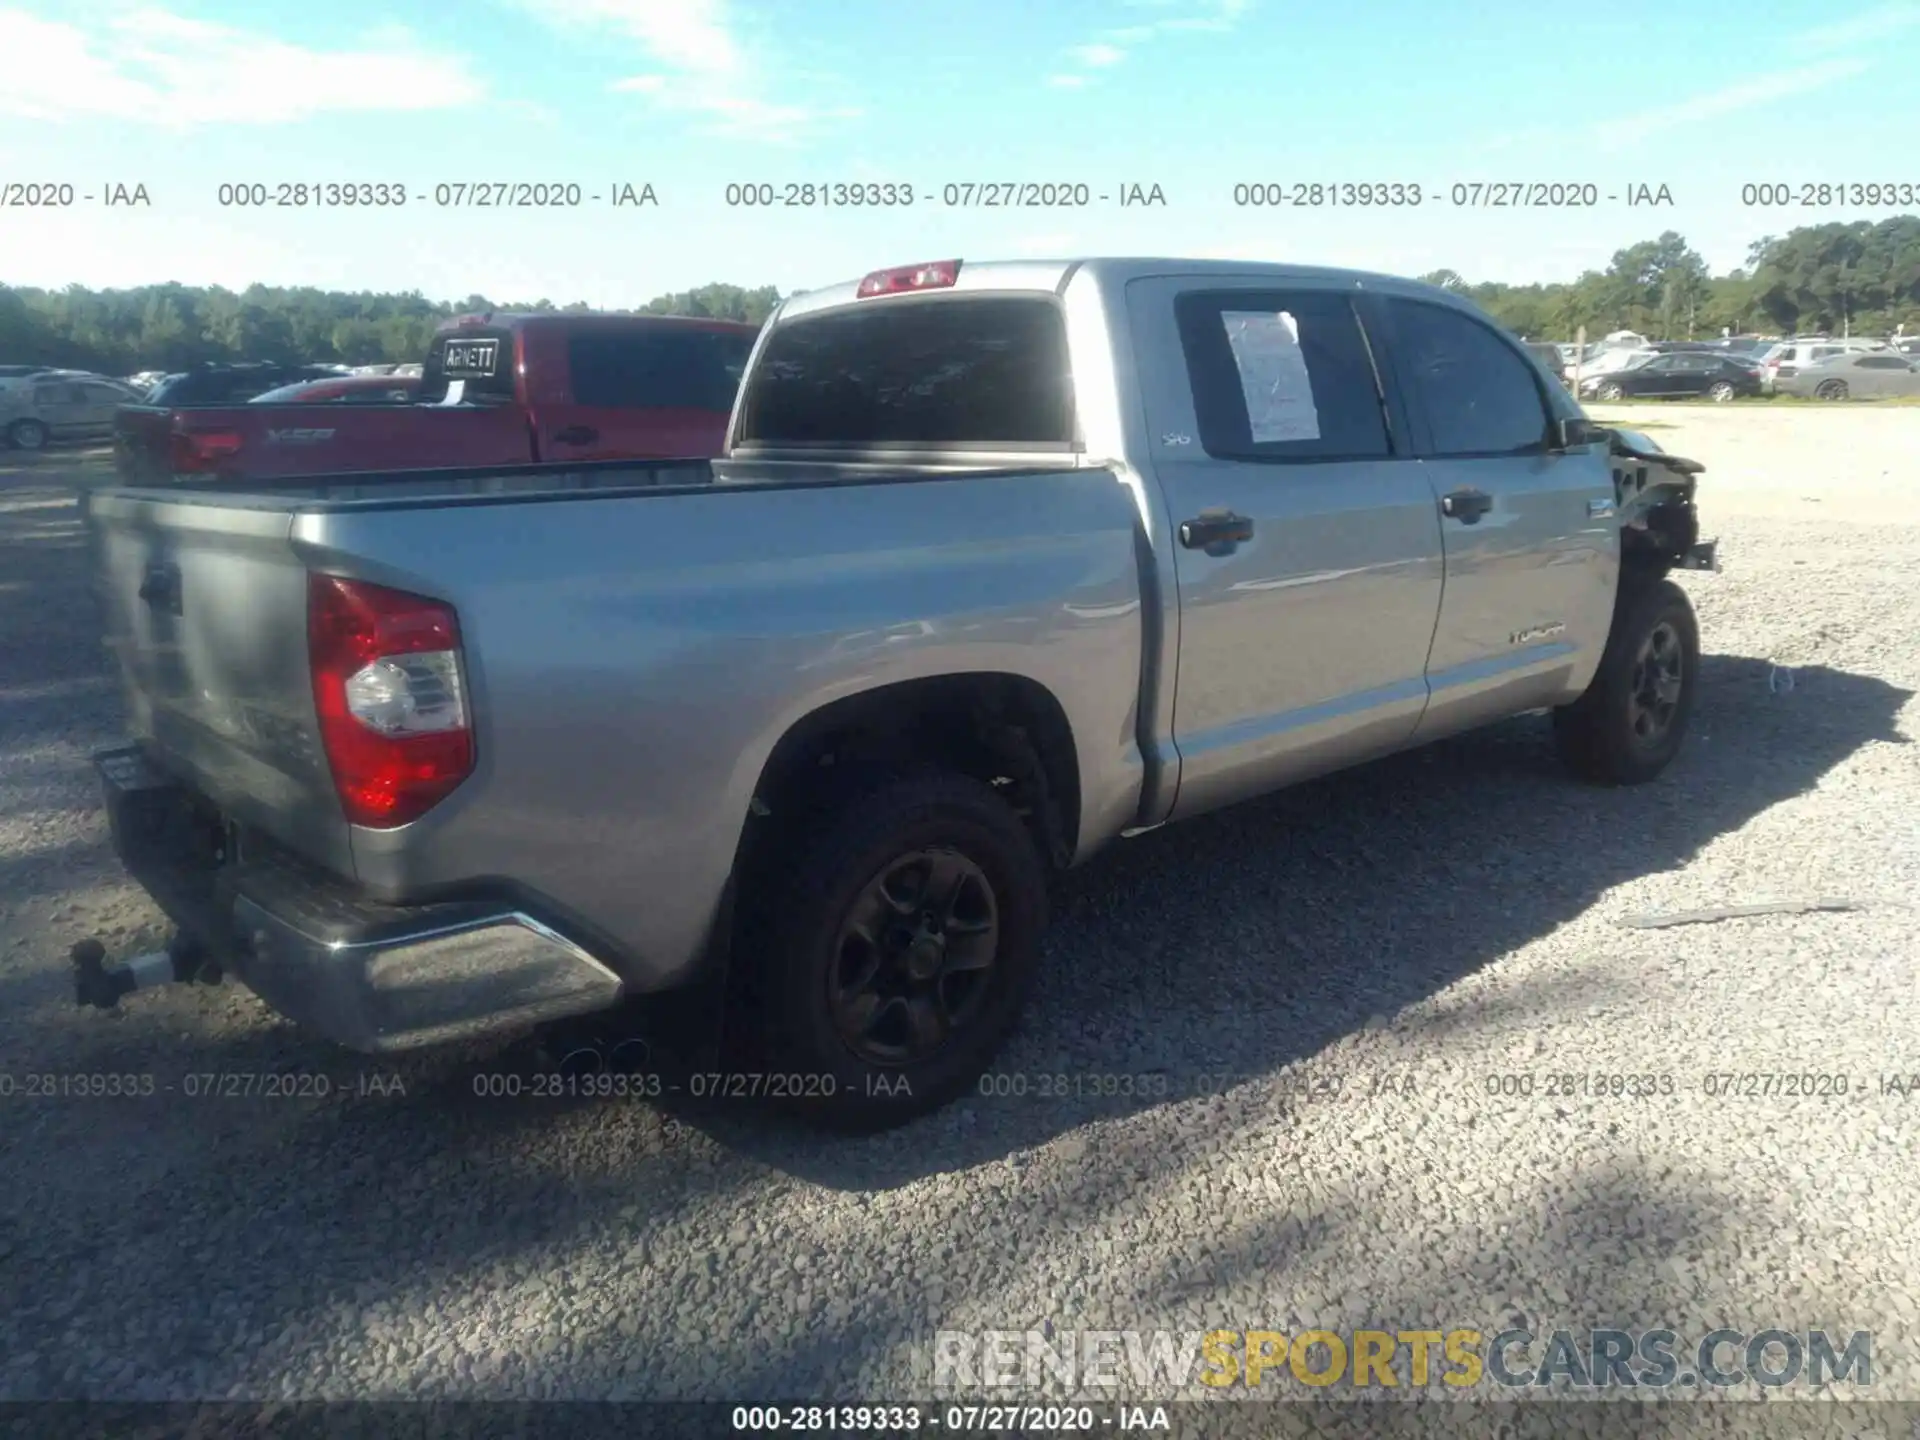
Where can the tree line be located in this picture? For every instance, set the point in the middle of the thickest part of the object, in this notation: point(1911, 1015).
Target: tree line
point(1863, 277)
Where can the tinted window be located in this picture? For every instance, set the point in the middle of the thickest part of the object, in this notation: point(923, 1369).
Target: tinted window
point(1695, 364)
point(973, 370)
point(1662, 363)
point(1281, 375)
point(664, 369)
point(1480, 397)
point(1880, 362)
point(107, 395)
point(227, 387)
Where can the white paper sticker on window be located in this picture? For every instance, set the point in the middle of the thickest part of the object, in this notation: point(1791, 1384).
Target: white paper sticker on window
point(1273, 375)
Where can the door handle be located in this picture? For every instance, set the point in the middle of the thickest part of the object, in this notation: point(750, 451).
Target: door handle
point(577, 435)
point(1466, 506)
point(1215, 527)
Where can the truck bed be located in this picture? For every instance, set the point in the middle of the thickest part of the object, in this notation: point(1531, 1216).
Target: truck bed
point(636, 641)
point(154, 445)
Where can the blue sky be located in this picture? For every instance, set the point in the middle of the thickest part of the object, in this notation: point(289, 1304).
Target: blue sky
point(689, 95)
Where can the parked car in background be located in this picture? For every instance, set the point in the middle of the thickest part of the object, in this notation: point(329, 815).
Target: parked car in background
point(497, 390)
point(230, 384)
point(1908, 345)
point(1787, 358)
point(345, 390)
point(415, 370)
point(1608, 362)
point(1876, 375)
point(1676, 375)
point(61, 407)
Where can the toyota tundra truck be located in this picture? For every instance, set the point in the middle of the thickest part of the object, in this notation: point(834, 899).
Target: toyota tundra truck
point(1002, 562)
point(496, 389)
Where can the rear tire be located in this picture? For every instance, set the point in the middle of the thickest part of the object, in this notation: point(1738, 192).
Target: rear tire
point(1720, 392)
point(27, 435)
point(1633, 718)
point(878, 1009)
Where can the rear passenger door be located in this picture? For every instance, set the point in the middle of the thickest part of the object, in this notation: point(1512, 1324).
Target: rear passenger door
point(62, 408)
point(1532, 550)
point(1306, 540)
point(641, 393)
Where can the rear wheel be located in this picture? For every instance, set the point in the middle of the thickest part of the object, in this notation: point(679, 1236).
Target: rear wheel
point(27, 435)
point(898, 951)
point(1720, 392)
point(1832, 390)
point(1632, 719)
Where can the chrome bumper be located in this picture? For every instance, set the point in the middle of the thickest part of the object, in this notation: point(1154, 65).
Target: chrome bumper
point(424, 986)
point(367, 975)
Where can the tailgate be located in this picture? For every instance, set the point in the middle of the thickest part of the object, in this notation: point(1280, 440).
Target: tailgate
point(263, 442)
point(204, 604)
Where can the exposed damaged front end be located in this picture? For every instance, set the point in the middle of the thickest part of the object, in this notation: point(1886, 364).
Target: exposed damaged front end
point(1654, 497)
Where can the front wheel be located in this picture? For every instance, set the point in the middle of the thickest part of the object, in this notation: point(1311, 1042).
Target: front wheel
point(899, 950)
point(1611, 391)
point(27, 435)
point(1631, 721)
point(1832, 390)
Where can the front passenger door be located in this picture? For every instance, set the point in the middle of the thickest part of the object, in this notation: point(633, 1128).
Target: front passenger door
point(1532, 549)
point(1659, 376)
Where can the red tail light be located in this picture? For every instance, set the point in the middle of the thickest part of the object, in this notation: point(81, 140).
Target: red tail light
point(391, 698)
point(199, 452)
point(934, 275)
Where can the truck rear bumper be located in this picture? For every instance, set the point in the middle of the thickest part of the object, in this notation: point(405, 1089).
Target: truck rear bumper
point(367, 975)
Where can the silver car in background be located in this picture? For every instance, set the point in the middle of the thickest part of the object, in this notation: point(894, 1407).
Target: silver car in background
point(1790, 357)
point(61, 407)
point(1873, 375)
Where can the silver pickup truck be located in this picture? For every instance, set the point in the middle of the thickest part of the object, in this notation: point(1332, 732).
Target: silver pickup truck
point(1002, 562)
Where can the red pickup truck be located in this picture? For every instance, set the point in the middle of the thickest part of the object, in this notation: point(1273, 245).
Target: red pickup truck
point(497, 389)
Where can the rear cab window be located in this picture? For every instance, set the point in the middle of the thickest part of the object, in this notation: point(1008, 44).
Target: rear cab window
point(664, 368)
point(951, 372)
point(481, 361)
point(1281, 375)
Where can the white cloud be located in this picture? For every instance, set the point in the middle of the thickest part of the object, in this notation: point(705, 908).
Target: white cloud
point(1761, 90)
point(700, 64)
point(1182, 17)
point(1868, 25)
point(167, 70)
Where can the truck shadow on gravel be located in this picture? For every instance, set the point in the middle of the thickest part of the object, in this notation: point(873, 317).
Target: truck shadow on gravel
point(1221, 950)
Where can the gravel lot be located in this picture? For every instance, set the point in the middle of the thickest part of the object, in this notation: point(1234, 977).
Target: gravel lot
point(1405, 934)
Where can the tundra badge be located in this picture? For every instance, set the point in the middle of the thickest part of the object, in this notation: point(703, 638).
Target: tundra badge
point(1537, 632)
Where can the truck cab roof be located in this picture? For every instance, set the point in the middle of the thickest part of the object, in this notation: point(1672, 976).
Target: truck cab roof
point(1053, 275)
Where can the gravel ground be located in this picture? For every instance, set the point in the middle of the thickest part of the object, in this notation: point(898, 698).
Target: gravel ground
point(1315, 990)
